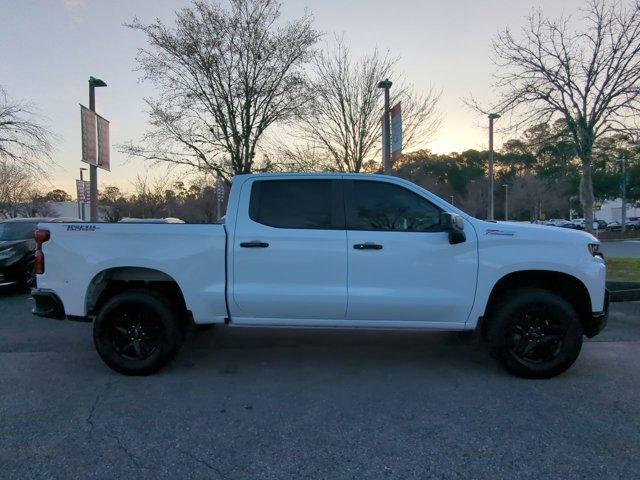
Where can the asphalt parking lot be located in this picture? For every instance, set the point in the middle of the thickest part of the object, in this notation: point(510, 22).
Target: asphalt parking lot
point(284, 404)
point(621, 248)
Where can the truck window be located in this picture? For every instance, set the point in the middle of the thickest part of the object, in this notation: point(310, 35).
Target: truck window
point(388, 207)
point(296, 204)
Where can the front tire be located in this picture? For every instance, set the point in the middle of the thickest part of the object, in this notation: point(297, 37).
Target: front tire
point(535, 333)
point(137, 332)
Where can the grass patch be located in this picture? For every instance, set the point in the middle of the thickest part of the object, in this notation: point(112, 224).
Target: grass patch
point(623, 269)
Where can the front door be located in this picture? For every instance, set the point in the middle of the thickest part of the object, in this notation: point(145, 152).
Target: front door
point(401, 265)
point(289, 252)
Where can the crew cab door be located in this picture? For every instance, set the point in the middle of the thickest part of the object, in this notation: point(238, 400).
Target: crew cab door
point(289, 252)
point(401, 266)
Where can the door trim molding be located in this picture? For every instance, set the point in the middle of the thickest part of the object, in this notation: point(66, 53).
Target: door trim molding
point(337, 323)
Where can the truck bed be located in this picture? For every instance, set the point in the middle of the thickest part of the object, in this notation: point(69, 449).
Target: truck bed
point(79, 256)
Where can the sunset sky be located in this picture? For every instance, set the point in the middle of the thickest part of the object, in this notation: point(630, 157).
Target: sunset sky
point(49, 48)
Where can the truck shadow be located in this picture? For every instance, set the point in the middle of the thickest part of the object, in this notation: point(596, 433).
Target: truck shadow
point(11, 290)
point(233, 350)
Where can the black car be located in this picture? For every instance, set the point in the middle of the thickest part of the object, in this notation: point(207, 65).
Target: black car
point(17, 247)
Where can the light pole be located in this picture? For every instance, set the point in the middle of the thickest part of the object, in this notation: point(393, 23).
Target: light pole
point(386, 127)
point(93, 169)
point(506, 201)
point(623, 223)
point(452, 200)
point(81, 200)
point(492, 117)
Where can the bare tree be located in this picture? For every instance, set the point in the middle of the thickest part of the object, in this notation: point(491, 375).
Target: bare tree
point(38, 206)
point(23, 140)
point(531, 195)
point(588, 76)
point(113, 204)
point(225, 75)
point(342, 118)
point(149, 196)
point(474, 201)
point(19, 193)
point(15, 186)
point(296, 157)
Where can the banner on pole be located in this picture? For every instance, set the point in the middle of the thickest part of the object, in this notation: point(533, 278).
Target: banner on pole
point(80, 190)
point(104, 160)
point(83, 190)
point(95, 139)
point(219, 190)
point(88, 126)
point(396, 132)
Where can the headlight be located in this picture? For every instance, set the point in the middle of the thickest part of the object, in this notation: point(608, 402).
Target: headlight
point(7, 253)
point(594, 249)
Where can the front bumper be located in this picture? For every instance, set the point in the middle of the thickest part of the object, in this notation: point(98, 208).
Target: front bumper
point(48, 304)
point(4, 281)
point(598, 320)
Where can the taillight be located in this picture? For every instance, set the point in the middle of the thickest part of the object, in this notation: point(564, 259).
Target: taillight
point(39, 262)
point(41, 236)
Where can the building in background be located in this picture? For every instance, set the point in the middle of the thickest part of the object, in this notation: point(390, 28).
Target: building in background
point(611, 211)
point(65, 209)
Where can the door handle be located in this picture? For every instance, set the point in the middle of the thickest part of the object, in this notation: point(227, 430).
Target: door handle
point(254, 244)
point(367, 246)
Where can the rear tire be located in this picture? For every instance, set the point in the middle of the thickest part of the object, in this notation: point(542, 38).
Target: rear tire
point(137, 332)
point(535, 333)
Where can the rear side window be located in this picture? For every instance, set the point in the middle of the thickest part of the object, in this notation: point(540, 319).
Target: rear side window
point(311, 204)
point(387, 207)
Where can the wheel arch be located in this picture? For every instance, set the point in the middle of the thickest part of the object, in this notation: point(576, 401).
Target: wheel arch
point(564, 285)
point(111, 281)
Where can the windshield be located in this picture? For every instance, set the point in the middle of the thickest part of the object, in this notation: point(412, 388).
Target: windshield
point(17, 230)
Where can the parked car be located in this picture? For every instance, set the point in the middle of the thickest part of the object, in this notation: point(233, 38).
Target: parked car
point(579, 224)
point(631, 223)
point(569, 224)
point(614, 226)
point(17, 247)
point(556, 222)
point(332, 251)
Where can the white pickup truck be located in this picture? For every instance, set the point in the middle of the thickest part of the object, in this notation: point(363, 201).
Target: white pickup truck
point(326, 251)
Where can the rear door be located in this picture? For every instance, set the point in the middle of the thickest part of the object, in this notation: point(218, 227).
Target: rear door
point(289, 251)
point(402, 268)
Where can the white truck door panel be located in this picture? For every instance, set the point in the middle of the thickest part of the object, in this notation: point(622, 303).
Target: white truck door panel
point(400, 266)
point(293, 273)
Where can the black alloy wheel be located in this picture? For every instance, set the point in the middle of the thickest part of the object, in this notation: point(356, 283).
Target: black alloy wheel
point(534, 333)
point(138, 332)
point(535, 337)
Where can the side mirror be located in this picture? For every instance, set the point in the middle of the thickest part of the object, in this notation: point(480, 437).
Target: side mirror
point(454, 225)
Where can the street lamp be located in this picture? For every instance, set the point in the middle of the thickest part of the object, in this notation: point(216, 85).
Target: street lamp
point(492, 117)
point(506, 201)
point(386, 130)
point(93, 169)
